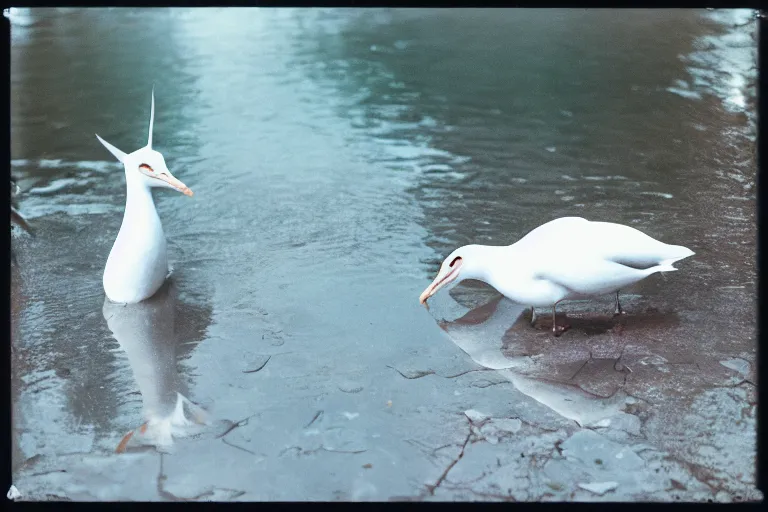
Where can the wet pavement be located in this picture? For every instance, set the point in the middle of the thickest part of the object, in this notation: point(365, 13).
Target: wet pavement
point(336, 157)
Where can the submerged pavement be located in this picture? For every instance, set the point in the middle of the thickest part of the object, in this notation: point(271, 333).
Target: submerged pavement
point(614, 409)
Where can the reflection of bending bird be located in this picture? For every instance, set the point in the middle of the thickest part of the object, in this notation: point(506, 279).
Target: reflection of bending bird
point(480, 333)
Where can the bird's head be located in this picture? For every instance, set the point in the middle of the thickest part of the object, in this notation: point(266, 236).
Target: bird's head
point(463, 263)
point(146, 165)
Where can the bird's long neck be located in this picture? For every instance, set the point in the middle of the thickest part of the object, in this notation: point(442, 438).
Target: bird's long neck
point(496, 265)
point(140, 213)
point(482, 262)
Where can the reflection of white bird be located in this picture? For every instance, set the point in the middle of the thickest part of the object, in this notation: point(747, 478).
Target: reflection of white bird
point(483, 333)
point(145, 331)
point(138, 263)
point(566, 258)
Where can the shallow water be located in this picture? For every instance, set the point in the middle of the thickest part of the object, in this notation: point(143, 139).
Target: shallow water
point(336, 157)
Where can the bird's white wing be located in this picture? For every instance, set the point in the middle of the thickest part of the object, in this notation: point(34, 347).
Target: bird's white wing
point(585, 275)
point(579, 238)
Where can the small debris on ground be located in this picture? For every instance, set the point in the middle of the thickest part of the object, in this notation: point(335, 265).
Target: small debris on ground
point(13, 493)
point(476, 416)
point(599, 488)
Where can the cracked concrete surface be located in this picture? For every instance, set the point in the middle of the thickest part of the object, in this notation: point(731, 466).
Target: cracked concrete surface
point(645, 438)
point(288, 359)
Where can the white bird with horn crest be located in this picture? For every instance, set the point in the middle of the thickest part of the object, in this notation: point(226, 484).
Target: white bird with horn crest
point(138, 263)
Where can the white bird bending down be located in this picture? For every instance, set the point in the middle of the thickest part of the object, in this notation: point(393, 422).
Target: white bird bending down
point(566, 258)
point(138, 264)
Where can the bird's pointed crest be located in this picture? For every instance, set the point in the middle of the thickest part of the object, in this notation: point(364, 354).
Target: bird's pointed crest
point(151, 118)
point(112, 149)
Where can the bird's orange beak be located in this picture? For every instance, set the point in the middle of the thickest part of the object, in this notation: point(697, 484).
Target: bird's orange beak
point(443, 278)
point(175, 183)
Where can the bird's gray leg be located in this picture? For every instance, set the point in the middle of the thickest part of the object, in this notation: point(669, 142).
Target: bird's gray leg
point(554, 320)
point(618, 310)
point(557, 331)
point(533, 315)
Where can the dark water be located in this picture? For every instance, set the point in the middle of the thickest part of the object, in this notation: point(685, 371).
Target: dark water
point(336, 157)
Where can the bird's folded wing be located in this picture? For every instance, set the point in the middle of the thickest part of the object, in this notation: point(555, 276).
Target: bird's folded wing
point(575, 237)
point(587, 276)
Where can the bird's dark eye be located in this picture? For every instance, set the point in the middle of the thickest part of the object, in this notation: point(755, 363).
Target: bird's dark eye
point(146, 167)
point(457, 258)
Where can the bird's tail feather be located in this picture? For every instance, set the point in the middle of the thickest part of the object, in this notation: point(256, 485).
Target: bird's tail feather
point(679, 254)
point(663, 267)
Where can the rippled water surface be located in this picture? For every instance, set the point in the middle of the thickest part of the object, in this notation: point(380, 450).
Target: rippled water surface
point(337, 156)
